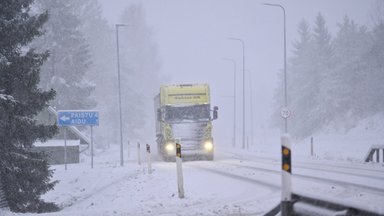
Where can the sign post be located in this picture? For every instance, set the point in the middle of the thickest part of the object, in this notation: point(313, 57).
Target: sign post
point(91, 146)
point(65, 148)
point(77, 118)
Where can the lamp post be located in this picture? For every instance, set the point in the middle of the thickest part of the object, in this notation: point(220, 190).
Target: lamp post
point(285, 63)
point(243, 45)
point(286, 192)
point(119, 86)
point(234, 99)
point(251, 104)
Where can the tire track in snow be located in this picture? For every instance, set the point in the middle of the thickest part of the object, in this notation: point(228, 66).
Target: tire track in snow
point(343, 184)
point(237, 177)
point(274, 160)
point(81, 198)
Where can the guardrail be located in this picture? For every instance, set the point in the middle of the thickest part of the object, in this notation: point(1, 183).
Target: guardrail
point(312, 206)
point(3, 201)
point(303, 205)
point(375, 150)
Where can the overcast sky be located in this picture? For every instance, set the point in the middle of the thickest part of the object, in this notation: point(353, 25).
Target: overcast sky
point(192, 39)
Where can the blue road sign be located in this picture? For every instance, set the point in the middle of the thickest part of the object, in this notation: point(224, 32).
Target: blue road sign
point(77, 117)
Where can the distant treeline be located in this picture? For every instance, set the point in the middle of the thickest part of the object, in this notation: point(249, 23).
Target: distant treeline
point(334, 81)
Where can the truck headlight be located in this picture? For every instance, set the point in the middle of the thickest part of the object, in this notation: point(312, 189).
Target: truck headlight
point(208, 145)
point(170, 147)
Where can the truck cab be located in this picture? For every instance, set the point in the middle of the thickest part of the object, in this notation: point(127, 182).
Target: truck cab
point(184, 116)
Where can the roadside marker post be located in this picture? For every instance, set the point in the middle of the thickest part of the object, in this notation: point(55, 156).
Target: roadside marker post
point(311, 146)
point(138, 153)
point(286, 195)
point(149, 159)
point(180, 181)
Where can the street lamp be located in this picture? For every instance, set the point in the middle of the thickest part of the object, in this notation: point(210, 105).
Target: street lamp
point(285, 63)
point(234, 98)
point(242, 43)
point(119, 86)
point(251, 103)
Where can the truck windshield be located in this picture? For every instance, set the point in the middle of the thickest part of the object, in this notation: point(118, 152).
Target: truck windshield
point(187, 113)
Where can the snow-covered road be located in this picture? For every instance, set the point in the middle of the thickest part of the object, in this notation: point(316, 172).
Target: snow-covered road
point(236, 183)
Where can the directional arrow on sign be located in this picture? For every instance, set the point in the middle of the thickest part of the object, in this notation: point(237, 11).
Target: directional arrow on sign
point(64, 118)
point(77, 117)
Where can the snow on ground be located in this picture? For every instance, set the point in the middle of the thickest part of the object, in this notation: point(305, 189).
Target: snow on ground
point(109, 189)
point(329, 144)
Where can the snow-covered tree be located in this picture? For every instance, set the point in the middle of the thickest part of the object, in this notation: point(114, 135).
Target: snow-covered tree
point(349, 72)
point(25, 174)
point(102, 72)
point(139, 71)
point(299, 71)
point(334, 83)
point(309, 70)
point(69, 58)
point(302, 86)
point(322, 74)
point(374, 74)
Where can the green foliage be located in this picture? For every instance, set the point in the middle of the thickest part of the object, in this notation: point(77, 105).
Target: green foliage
point(24, 174)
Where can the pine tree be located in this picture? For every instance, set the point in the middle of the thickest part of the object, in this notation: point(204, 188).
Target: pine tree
point(69, 59)
point(349, 73)
point(302, 84)
point(102, 72)
point(25, 174)
point(375, 71)
point(139, 70)
point(309, 72)
point(299, 67)
point(322, 75)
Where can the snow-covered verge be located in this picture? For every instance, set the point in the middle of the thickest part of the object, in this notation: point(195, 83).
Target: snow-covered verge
point(346, 145)
point(110, 189)
point(331, 143)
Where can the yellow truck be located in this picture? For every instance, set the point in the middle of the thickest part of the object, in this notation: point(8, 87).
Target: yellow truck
point(183, 115)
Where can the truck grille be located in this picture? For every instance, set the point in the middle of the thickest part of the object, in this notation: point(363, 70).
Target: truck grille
point(191, 135)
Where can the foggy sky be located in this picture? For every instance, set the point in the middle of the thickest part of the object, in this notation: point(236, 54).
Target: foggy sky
point(192, 39)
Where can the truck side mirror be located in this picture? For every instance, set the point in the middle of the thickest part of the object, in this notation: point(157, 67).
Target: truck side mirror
point(159, 117)
point(215, 109)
